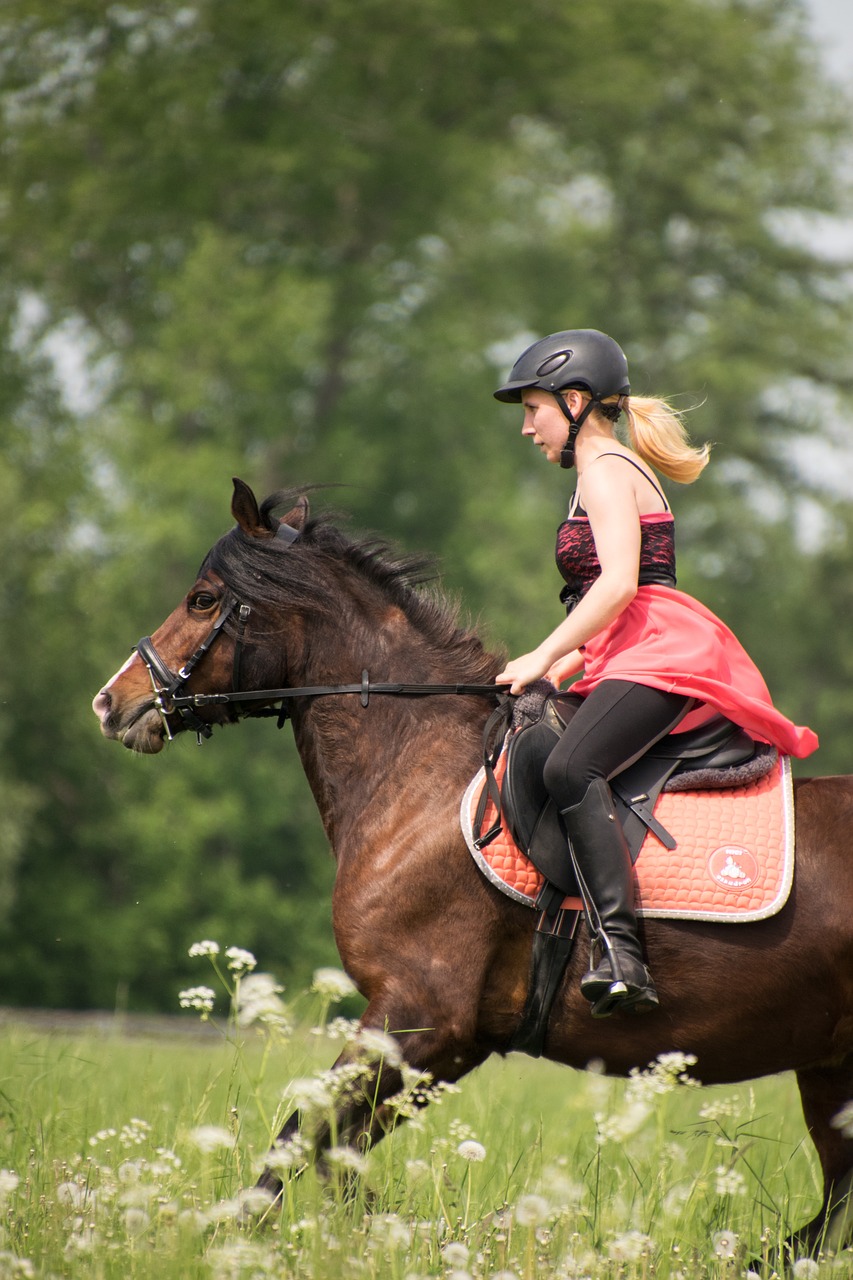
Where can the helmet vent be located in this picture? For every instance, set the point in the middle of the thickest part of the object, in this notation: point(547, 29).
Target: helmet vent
point(553, 363)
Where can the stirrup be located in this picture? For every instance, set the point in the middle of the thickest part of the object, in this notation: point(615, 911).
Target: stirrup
point(622, 999)
point(608, 995)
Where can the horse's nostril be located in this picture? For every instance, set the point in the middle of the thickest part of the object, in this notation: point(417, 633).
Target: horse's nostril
point(102, 704)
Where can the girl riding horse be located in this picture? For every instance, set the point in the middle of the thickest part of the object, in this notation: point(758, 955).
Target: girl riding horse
point(652, 658)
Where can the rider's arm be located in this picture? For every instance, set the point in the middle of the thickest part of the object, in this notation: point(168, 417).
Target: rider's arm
point(614, 518)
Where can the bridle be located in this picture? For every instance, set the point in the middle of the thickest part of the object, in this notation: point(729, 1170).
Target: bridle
point(170, 687)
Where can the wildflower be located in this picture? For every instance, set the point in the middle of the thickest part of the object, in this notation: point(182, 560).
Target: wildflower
point(201, 998)
point(205, 948)
point(347, 1158)
point(75, 1196)
point(224, 1210)
point(455, 1254)
point(725, 1244)
point(193, 1221)
point(14, 1268)
point(243, 1258)
point(844, 1120)
point(9, 1181)
point(258, 1001)
point(310, 1093)
point(471, 1151)
point(240, 961)
point(531, 1211)
point(729, 1182)
point(286, 1156)
point(376, 1045)
point(134, 1133)
point(625, 1123)
point(806, 1269)
point(334, 984)
point(390, 1230)
point(210, 1137)
point(136, 1221)
point(629, 1246)
point(103, 1135)
point(255, 1201)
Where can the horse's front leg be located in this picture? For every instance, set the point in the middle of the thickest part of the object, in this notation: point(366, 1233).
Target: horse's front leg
point(376, 1083)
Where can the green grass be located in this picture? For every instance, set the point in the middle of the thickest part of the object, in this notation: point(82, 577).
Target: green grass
point(579, 1175)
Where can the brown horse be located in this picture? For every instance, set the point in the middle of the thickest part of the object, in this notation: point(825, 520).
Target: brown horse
point(430, 944)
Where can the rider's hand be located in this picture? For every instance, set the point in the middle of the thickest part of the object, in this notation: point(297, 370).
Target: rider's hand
point(523, 671)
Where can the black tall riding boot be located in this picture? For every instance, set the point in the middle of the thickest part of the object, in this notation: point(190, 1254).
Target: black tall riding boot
point(620, 979)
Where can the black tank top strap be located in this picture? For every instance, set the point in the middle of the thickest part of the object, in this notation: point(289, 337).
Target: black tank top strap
point(575, 509)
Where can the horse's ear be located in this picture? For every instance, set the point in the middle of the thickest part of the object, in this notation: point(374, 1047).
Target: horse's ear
point(298, 517)
point(244, 509)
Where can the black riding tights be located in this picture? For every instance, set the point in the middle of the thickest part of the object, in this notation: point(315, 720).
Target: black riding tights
point(612, 727)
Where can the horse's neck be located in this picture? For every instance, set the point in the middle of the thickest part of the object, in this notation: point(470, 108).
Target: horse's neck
point(361, 762)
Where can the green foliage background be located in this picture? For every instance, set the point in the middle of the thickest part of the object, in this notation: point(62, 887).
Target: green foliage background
point(298, 243)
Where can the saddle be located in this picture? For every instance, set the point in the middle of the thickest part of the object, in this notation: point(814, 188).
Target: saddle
point(718, 754)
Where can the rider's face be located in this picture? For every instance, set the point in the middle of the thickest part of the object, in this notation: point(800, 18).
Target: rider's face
point(544, 422)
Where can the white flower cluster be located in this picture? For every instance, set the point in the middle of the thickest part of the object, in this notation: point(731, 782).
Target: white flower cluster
point(240, 960)
point(666, 1073)
point(201, 998)
point(333, 984)
point(206, 948)
point(258, 1001)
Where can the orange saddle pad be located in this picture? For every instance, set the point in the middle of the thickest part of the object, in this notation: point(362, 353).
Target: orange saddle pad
point(734, 859)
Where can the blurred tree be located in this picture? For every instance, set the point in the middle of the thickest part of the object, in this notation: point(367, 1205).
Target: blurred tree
point(301, 244)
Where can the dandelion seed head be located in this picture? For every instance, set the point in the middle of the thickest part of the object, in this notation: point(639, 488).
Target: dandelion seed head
point(9, 1182)
point(806, 1269)
point(14, 1268)
point(531, 1210)
point(725, 1244)
point(629, 1246)
point(136, 1221)
point(729, 1182)
point(472, 1151)
point(208, 1138)
point(193, 1221)
point(455, 1253)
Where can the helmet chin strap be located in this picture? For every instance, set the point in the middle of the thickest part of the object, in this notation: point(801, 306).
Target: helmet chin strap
point(567, 453)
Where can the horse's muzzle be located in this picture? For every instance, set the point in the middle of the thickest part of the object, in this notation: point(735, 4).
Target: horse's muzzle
point(141, 730)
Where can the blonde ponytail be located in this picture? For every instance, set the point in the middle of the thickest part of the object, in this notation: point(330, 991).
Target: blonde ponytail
point(657, 433)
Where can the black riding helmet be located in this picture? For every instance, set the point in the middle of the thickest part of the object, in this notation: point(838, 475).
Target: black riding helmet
point(583, 358)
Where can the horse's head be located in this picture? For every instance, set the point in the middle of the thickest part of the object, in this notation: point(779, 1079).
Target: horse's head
point(200, 643)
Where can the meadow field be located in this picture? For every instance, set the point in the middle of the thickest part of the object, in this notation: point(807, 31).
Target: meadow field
point(129, 1153)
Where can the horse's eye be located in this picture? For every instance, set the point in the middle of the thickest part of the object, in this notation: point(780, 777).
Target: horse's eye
point(202, 601)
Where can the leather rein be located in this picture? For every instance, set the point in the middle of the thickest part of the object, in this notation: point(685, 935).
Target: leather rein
point(170, 692)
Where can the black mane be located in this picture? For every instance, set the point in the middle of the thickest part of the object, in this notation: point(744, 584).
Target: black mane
point(306, 576)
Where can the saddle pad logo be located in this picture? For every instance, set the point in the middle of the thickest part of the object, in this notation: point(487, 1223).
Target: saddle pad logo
point(733, 867)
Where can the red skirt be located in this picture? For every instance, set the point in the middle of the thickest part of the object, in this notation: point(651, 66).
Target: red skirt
point(670, 641)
